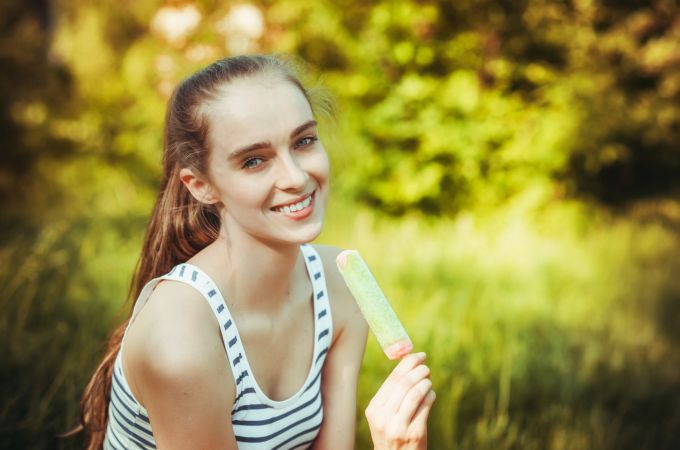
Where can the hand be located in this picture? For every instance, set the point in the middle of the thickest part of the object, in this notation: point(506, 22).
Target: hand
point(397, 414)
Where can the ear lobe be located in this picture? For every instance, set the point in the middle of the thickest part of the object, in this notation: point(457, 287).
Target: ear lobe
point(199, 188)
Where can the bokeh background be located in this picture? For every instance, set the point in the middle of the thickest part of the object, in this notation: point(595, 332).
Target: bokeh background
point(510, 170)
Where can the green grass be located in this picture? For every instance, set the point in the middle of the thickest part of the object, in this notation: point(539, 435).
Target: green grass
point(545, 328)
point(551, 329)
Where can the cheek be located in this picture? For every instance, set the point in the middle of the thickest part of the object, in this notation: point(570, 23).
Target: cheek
point(320, 166)
point(243, 191)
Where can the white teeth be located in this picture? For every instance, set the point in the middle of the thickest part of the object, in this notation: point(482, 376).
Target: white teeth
point(296, 206)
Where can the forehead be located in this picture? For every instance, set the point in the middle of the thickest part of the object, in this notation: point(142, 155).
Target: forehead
point(256, 109)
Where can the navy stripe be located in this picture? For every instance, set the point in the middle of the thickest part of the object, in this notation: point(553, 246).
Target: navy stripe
point(143, 444)
point(120, 387)
point(118, 399)
point(279, 417)
point(132, 442)
point(242, 376)
point(117, 381)
point(322, 334)
point(250, 407)
point(244, 392)
point(313, 382)
point(283, 430)
point(321, 353)
point(301, 433)
point(131, 435)
point(137, 445)
point(237, 359)
point(226, 327)
point(283, 433)
point(132, 413)
point(111, 436)
point(136, 425)
point(194, 275)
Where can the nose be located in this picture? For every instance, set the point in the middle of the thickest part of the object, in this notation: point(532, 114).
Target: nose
point(291, 175)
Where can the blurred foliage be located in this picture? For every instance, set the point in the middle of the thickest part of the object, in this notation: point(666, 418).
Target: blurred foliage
point(551, 329)
point(549, 323)
point(464, 104)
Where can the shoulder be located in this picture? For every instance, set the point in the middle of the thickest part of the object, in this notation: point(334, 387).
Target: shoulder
point(178, 369)
point(345, 309)
point(175, 342)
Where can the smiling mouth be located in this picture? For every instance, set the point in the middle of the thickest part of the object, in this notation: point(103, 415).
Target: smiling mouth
point(295, 207)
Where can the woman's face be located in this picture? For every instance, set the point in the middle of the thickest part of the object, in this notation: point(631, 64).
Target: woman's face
point(267, 165)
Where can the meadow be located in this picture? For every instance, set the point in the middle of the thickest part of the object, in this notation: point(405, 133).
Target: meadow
point(555, 329)
point(550, 327)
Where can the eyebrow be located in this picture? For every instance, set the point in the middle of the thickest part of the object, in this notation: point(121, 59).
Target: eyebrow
point(258, 145)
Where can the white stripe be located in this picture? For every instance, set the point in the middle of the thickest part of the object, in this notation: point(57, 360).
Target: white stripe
point(301, 425)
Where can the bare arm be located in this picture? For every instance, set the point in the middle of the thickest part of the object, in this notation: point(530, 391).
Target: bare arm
point(397, 414)
point(181, 373)
point(340, 377)
point(341, 369)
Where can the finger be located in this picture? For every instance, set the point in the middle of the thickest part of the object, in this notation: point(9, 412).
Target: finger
point(413, 399)
point(418, 426)
point(403, 386)
point(401, 369)
point(407, 363)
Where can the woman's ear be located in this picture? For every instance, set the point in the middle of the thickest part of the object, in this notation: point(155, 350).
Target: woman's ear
point(200, 188)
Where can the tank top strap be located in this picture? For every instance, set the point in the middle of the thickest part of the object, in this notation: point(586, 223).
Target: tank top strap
point(200, 281)
point(238, 363)
point(322, 307)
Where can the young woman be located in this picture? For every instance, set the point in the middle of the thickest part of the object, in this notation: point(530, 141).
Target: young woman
point(243, 335)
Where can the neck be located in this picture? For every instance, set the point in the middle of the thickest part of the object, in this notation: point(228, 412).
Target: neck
point(255, 266)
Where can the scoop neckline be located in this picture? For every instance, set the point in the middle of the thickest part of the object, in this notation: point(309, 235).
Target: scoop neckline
point(253, 380)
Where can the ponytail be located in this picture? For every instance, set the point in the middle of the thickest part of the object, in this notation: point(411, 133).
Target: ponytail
point(180, 226)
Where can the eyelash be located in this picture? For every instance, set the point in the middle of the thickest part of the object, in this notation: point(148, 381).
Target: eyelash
point(247, 165)
point(310, 140)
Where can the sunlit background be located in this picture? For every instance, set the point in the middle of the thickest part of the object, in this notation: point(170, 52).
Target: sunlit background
point(509, 169)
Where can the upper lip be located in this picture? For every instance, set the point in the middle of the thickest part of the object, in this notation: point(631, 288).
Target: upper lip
point(292, 202)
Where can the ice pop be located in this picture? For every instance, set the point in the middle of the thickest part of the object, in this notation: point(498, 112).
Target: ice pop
point(373, 305)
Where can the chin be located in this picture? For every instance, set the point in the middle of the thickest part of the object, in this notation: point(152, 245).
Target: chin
point(311, 232)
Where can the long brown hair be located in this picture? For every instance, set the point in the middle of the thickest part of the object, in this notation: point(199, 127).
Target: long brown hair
point(180, 226)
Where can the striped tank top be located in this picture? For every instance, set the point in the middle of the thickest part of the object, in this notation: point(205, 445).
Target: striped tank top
point(258, 421)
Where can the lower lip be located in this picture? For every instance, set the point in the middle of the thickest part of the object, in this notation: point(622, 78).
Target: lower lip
point(302, 213)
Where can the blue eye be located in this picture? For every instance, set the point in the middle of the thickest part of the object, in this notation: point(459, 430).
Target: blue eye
point(251, 163)
point(305, 141)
